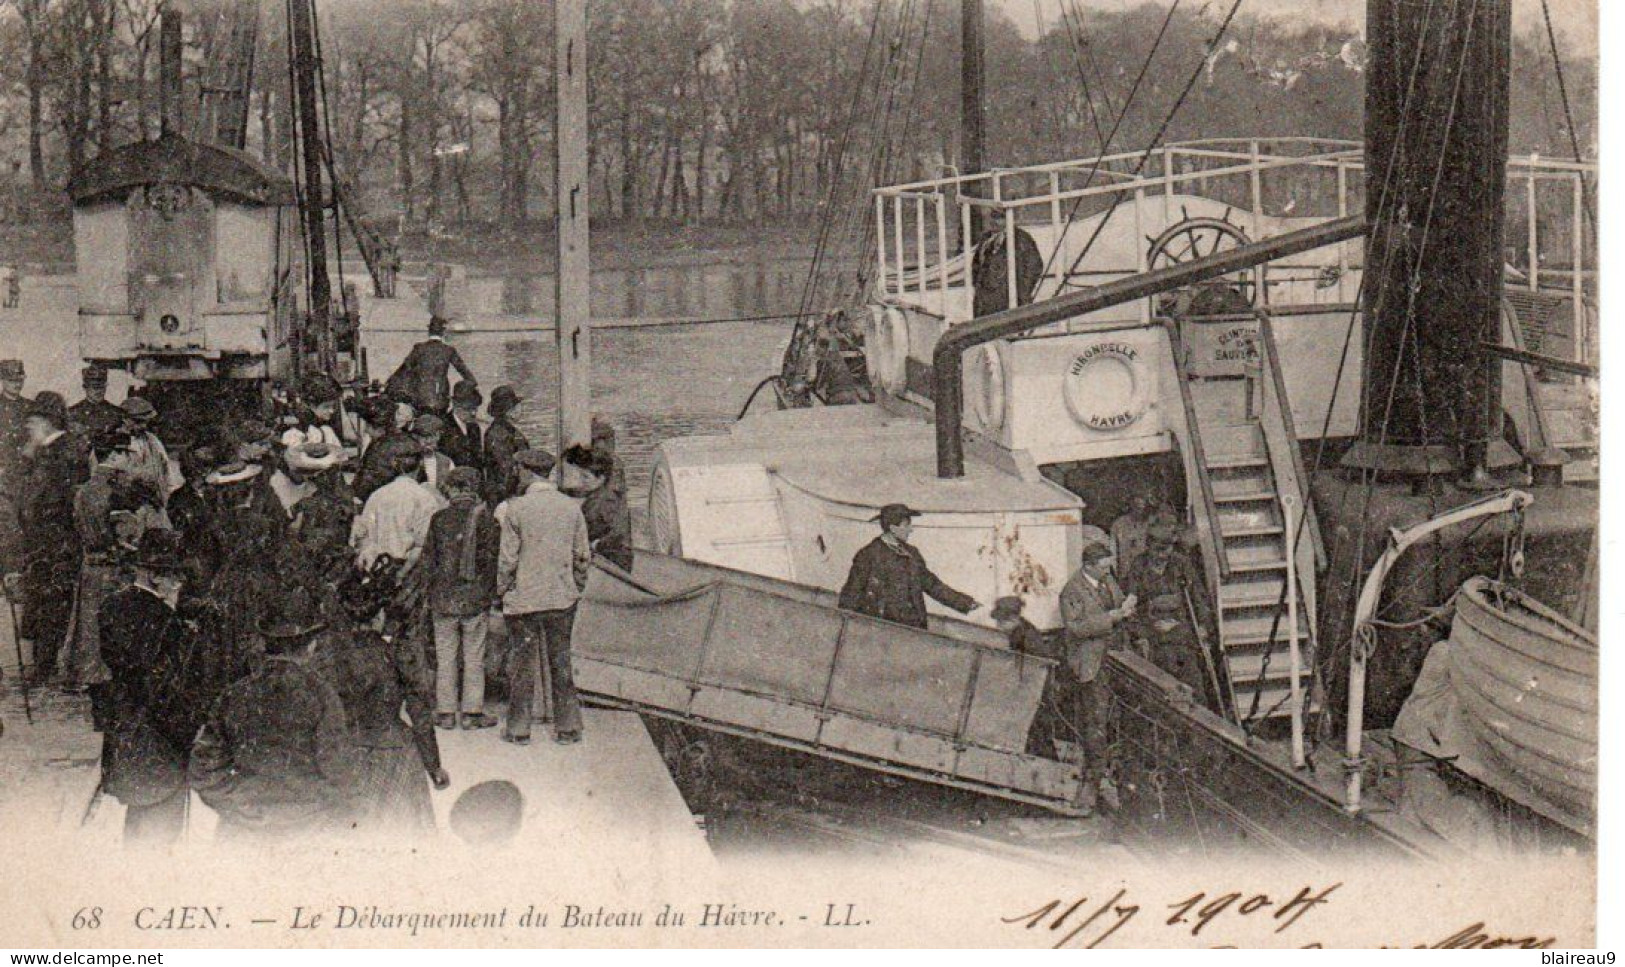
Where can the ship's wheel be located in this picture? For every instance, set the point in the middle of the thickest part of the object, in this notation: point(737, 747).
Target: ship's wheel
point(1193, 238)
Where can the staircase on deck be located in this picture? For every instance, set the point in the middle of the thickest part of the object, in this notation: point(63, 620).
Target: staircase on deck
point(1241, 456)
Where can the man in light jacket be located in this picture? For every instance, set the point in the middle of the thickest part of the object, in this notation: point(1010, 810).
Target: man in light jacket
point(541, 572)
point(1093, 609)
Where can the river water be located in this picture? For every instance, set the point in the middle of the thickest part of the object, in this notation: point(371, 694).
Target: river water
point(654, 382)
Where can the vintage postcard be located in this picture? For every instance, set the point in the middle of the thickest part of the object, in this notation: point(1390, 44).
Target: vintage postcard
point(868, 473)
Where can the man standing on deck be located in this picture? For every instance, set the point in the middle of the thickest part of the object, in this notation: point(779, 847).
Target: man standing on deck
point(423, 376)
point(889, 579)
point(1094, 610)
point(93, 415)
point(541, 572)
point(503, 440)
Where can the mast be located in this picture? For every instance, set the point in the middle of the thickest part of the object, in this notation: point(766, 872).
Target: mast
point(972, 80)
point(1436, 147)
point(318, 333)
point(170, 121)
point(572, 286)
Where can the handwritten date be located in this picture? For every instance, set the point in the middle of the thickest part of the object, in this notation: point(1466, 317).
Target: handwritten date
point(1090, 924)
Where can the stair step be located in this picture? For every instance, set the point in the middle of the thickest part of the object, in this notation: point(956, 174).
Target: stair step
point(1236, 461)
point(1256, 631)
point(1261, 566)
point(1250, 530)
point(1246, 668)
point(1239, 496)
point(1274, 701)
point(1252, 594)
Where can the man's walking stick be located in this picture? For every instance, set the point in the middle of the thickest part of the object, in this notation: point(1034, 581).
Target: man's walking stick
point(17, 642)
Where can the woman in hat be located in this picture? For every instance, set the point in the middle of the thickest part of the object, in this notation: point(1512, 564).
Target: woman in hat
point(323, 519)
point(503, 439)
point(152, 462)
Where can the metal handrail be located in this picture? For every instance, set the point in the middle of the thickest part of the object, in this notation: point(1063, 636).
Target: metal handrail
point(1219, 565)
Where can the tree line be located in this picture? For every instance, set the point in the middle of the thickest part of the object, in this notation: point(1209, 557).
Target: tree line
point(701, 110)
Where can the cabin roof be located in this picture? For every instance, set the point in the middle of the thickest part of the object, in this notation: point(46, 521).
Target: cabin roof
point(172, 159)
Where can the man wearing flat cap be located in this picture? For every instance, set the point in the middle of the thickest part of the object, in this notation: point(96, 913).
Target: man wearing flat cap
point(1095, 612)
point(541, 571)
point(93, 415)
point(889, 579)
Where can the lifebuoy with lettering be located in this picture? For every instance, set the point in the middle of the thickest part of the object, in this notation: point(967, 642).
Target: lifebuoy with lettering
point(1106, 385)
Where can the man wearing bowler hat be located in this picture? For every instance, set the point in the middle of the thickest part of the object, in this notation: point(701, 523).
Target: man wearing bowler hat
point(50, 535)
point(889, 578)
point(461, 438)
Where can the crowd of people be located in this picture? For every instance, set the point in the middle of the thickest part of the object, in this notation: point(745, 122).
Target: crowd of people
point(279, 613)
point(1136, 587)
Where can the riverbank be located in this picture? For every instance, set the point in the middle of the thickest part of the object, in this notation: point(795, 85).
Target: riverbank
point(47, 246)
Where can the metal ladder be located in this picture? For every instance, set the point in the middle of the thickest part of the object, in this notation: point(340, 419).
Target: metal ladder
point(1261, 553)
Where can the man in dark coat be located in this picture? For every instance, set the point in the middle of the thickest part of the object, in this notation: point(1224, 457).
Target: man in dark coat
point(460, 562)
point(154, 714)
point(889, 578)
point(502, 440)
point(423, 376)
point(93, 416)
point(13, 407)
point(379, 461)
point(275, 758)
point(609, 520)
point(461, 438)
point(50, 536)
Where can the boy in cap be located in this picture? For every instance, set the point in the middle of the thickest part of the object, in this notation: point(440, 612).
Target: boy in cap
point(93, 415)
point(423, 375)
point(461, 439)
point(460, 557)
point(1024, 638)
point(541, 572)
point(13, 406)
point(889, 578)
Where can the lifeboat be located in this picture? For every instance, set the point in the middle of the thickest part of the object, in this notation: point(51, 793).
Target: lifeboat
point(1526, 678)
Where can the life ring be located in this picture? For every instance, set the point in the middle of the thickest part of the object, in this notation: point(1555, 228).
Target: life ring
point(886, 348)
point(1106, 385)
point(984, 386)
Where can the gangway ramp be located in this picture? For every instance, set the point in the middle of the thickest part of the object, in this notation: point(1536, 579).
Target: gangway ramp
point(778, 662)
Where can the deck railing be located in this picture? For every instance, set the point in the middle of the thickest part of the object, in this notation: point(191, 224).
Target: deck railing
point(924, 228)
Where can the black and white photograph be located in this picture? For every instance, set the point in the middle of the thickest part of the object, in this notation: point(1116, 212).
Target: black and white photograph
point(801, 473)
